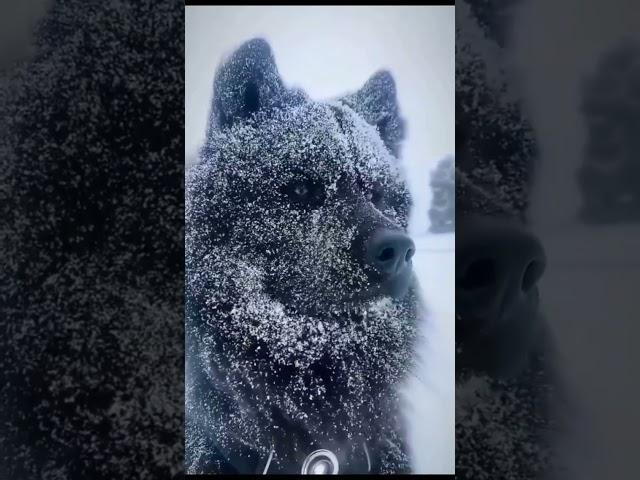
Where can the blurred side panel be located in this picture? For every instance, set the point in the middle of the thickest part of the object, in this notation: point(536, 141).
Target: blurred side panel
point(547, 211)
point(91, 271)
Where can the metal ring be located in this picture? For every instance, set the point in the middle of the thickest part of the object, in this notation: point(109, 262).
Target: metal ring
point(320, 462)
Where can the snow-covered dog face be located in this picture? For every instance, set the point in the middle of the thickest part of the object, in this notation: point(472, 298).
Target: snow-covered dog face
point(297, 188)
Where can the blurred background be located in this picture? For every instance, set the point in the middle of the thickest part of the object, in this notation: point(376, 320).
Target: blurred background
point(329, 51)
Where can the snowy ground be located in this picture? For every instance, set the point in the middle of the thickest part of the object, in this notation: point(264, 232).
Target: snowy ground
point(430, 393)
point(590, 295)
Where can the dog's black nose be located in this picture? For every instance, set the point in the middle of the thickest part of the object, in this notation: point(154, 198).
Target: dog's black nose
point(498, 265)
point(390, 252)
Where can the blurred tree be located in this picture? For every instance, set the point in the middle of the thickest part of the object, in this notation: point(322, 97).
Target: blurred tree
point(442, 212)
point(609, 177)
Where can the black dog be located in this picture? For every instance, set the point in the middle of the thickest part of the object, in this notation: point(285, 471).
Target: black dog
point(301, 305)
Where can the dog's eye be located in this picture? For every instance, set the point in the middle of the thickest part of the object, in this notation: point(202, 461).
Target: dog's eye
point(301, 190)
point(375, 195)
point(305, 193)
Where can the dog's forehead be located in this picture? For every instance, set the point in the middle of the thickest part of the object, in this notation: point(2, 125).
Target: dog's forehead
point(342, 141)
point(326, 138)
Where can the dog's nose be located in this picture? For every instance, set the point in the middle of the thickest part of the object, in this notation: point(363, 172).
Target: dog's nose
point(498, 265)
point(390, 252)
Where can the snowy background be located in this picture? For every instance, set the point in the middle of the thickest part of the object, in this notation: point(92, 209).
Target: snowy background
point(328, 51)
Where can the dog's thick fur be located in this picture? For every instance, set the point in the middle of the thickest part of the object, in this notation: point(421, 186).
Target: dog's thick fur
point(290, 345)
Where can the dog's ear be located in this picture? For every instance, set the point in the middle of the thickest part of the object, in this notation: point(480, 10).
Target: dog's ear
point(247, 82)
point(377, 103)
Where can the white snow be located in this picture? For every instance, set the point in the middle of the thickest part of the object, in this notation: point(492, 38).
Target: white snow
point(430, 393)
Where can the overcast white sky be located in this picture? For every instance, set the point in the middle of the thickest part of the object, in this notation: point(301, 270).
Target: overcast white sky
point(328, 51)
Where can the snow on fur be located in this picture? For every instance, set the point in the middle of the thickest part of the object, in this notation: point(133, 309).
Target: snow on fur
point(281, 314)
